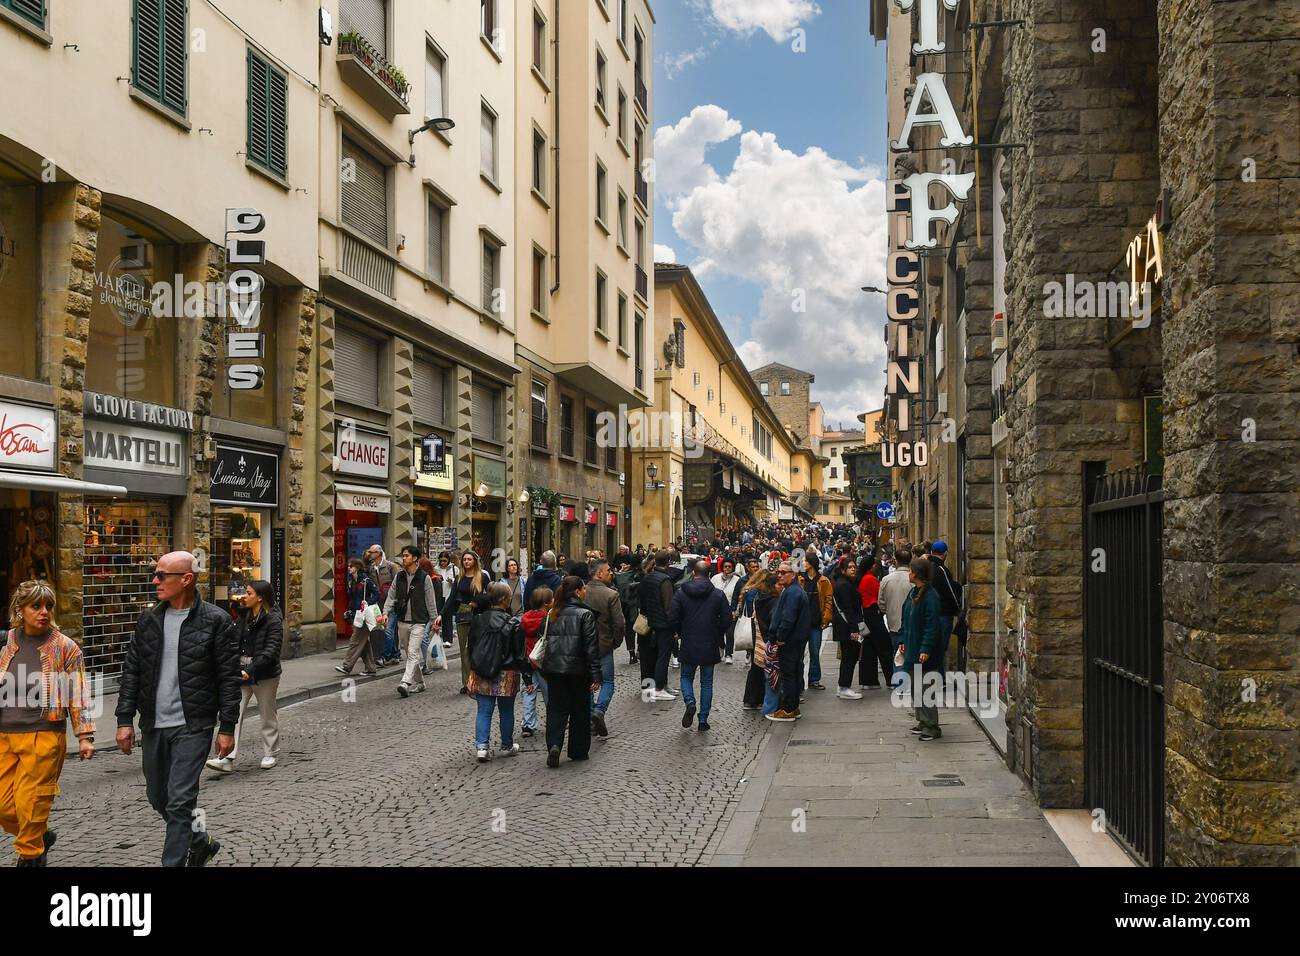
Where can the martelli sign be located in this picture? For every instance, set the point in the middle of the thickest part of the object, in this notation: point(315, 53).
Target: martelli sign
point(911, 198)
point(245, 345)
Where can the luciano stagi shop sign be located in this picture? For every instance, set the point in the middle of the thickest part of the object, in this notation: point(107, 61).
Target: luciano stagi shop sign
point(244, 477)
point(28, 437)
point(129, 435)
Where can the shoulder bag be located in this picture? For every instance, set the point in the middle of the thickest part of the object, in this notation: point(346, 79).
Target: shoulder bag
point(538, 654)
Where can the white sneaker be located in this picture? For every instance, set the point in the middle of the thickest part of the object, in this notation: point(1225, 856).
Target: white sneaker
point(482, 756)
point(847, 693)
point(268, 763)
point(662, 695)
point(446, 643)
point(221, 764)
point(514, 749)
point(676, 663)
point(727, 659)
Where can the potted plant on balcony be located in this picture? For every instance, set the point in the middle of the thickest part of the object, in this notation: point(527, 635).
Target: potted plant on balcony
point(395, 77)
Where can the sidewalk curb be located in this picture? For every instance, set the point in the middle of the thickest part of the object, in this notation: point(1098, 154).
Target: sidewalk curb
point(759, 776)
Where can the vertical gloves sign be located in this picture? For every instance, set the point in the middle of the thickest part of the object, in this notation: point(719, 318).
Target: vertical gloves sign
point(245, 344)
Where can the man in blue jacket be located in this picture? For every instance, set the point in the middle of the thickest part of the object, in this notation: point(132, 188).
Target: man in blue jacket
point(547, 577)
point(791, 622)
point(699, 617)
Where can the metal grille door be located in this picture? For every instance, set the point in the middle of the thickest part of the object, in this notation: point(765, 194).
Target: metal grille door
point(1124, 707)
point(124, 541)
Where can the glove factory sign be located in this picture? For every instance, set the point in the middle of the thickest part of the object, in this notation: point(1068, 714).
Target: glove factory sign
point(908, 203)
point(245, 344)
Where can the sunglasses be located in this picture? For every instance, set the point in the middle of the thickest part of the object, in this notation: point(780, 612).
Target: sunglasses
point(159, 575)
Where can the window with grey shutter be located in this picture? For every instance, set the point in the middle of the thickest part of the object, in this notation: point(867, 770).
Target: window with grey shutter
point(429, 392)
point(367, 17)
point(488, 143)
point(491, 272)
point(437, 240)
point(159, 53)
point(267, 115)
point(435, 97)
point(356, 368)
point(364, 193)
point(485, 405)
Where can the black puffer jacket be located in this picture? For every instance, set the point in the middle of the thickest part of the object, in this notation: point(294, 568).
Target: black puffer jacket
point(261, 639)
point(571, 645)
point(846, 609)
point(209, 669)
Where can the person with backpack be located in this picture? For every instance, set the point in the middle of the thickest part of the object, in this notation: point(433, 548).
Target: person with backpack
point(498, 666)
point(629, 585)
point(949, 591)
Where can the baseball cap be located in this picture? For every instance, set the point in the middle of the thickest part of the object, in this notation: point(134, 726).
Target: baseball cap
point(939, 547)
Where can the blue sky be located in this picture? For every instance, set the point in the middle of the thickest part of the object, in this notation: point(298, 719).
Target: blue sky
point(768, 167)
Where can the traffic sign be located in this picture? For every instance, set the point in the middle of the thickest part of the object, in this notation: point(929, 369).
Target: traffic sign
point(884, 511)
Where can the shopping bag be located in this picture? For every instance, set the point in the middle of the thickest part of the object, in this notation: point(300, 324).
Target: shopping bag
point(744, 634)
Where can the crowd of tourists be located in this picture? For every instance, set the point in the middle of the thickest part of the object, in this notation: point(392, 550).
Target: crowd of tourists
point(772, 593)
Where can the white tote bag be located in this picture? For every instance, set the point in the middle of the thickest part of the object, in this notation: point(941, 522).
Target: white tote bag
point(744, 633)
point(538, 654)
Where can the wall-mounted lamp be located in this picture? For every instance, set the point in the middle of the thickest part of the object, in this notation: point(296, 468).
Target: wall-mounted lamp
point(481, 491)
point(523, 497)
point(441, 123)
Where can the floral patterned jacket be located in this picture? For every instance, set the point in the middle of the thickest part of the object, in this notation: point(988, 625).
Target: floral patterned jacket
point(64, 687)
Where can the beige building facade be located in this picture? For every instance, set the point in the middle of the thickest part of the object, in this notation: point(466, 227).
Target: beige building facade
point(583, 221)
point(711, 454)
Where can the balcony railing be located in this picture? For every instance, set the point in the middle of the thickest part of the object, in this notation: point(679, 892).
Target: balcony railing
point(642, 284)
point(383, 85)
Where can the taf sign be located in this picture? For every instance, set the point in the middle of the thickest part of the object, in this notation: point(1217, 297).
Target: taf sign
point(884, 511)
point(245, 345)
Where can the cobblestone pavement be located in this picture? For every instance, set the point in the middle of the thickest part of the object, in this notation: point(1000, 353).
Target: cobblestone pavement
point(386, 781)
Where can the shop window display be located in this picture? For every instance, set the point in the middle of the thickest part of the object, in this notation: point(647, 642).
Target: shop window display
point(124, 540)
point(27, 539)
point(238, 553)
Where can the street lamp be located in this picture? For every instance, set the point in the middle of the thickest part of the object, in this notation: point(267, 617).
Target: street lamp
point(441, 123)
point(872, 288)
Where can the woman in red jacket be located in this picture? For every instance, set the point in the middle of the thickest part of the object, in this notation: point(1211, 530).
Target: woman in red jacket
point(531, 624)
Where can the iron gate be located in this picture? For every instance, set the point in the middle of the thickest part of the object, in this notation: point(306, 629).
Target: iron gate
point(1124, 706)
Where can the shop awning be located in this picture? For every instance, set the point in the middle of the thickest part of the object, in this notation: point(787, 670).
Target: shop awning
point(362, 498)
point(67, 486)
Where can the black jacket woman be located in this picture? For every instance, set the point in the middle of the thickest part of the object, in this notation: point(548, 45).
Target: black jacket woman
point(847, 626)
point(261, 633)
point(572, 668)
point(756, 601)
point(498, 666)
point(459, 607)
point(363, 608)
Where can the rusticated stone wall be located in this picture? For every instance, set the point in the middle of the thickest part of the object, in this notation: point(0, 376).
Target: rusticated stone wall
point(1230, 155)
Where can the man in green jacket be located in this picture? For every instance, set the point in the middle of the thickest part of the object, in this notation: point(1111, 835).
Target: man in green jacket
point(604, 600)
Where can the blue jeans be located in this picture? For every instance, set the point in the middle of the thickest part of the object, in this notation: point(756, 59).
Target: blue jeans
point(607, 684)
point(815, 656)
point(706, 687)
point(390, 642)
point(483, 721)
point(771, 698)
point(530, 701)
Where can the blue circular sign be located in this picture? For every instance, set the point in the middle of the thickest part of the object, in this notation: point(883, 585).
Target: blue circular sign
point(884, 511)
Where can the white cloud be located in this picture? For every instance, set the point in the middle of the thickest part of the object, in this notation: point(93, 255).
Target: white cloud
point(664, 253)
point(806, 229)
point(675, 63)
point(679, 164)
point(776, 18)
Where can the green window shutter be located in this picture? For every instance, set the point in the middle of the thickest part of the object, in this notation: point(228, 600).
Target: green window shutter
point(146, 48)
point(175, 56)
point(160, 52)
point(33, 10)
point(267, 115)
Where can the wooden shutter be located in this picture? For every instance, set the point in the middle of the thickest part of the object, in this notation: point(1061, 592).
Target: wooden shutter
point(437, 227)
point(367, 17)
point(33, 10)
point(365, 201)
point(267, 115)
point(147, 47)
point(356, 368)
point(175, 53)
point(428, 392)
point(488, 145)
point(484, 402)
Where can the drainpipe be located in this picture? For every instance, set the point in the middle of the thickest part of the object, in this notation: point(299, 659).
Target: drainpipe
point(556, 164)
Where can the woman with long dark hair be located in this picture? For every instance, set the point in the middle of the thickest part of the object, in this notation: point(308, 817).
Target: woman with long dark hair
point(923, 645)
point(459, 607)
point(847, 627)
point(572, 668)
point(261, 633)
point(363, 609)
point(756, 602)
point(514, 579)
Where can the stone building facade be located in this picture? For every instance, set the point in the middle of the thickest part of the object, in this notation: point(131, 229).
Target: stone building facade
point(1148, 142)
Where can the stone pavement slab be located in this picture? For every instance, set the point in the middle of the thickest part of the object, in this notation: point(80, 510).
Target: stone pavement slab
point(850, 786)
